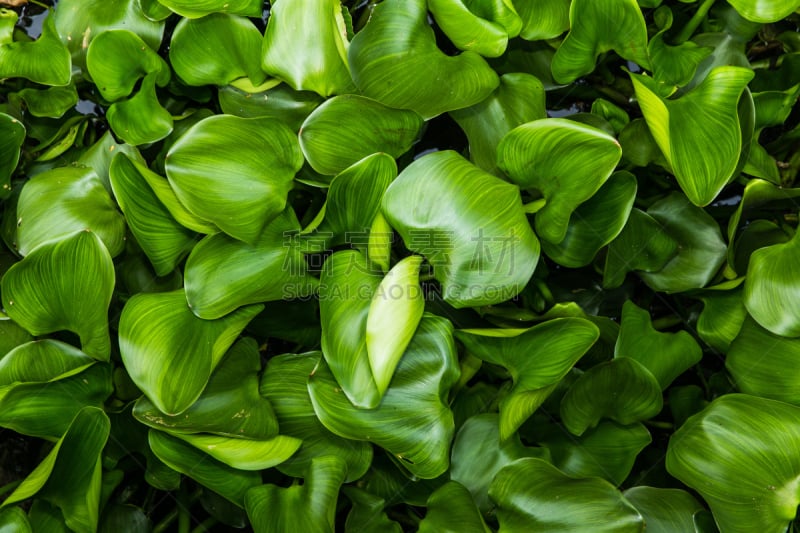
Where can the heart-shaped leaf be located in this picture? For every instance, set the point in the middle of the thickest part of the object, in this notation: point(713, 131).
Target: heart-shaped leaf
point(62, 201)
point(216, 50)
point(557, 344)
point(223, 274)
point(69, 476)
point(407, 73)
point(452, 510)
point(621, 389)
point(727, 453)
point(311, 55)
point(438, 205)
point(699, 133)
point(13, 134)
point(195, 9)
point(347, 128)
point(45, 60)
point(413, 421)
point(664, 510)
point(169, 352)
point(64, 285)
point(284, 385)
point(533, 494)
point(482, 27)
point(240, 195)
point(518, 99)
point(597, 26)
point(565, 161)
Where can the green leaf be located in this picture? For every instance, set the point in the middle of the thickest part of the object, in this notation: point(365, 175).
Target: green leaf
point(413, 421)
point(407, 73)
point(621, 389)
point(765, 12)
point(394, 313)
point(347, 128)
point(230, 405)
point(665, 355)
point(722, 317)
point(41, 361)
point(673, 65)
point(163, 240)
point(69, 477)
point(243, 454)
point(537, 359)
point(518, 99)
point(597, 26)
point(57, 203)
point(216, 50)
point(45, 60)
point(543, 19)
point(613, 114)
point(64, 285)
point(200, 8)
point(727, 453)
point(596, 222)
point(223, 274)
point(240, 195)
point(307, 507)
point(367, 514)
point(230, 483)
point(698, 133)
point(533, 494)
point(643, 246)
point(607, 451)
point(284, 385)
point(98, 157)
point(11, 336)
point(481, 257)
point(771, 285)
point(564, 161)
point(281, 102)
point(117, 59)
point(483, 27)
point(664, 510)
point(14, 520)
point(141, 119)
point(13, 133)
point(169, 352)
point(52, 102)
point(451, 510)
point(310, 55)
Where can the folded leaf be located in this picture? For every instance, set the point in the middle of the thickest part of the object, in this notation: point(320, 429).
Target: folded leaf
point(483, 27)
point(13, 133)
point(45, 60)
point(195, 9)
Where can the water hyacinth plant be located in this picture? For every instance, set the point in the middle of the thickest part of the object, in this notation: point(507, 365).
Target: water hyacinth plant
point(399, 265)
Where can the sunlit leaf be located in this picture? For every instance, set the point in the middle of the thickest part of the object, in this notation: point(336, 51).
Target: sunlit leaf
point(64, 285)
point(14, 520)
point(407, 73)
point(243, 454)
point(673, 65)
point(765, 12)
point(483, 27)
point(280, 102)
point(199, 8)
point(543, 19)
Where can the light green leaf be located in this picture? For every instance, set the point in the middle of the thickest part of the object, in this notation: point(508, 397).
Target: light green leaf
point(14, 520)
point(45, 60)
point(452, 510)
point(216, 50)
point(240, 195)
point(771, 287)
point(305, 45)
point(765, 12)
point(200, 8)
point(565, 161)
point(59, 202)
point(243, 454)
point(41, 361)
point(347, 128)
point(673, 65)
point(64, 285)
point(307, 507)
point(596, 222)
point(223, 274)
point(610, 112)
point(230, 483)
point(98, 157)
point(284, 385)
point(438, 204)
point(117, 59)
point(69, 477)
point(727, 453)
point(665, 355)
point(533, 494)
point(169, 352)
point(230, 405)
point(163, 240)
point(408, 73)
point(621, 389)
point(543, 19)
point(413, 421)
point(597, 26)
point(537, 359)
point(698, 133)
point(664, 510)
point(52, 102)
point(13, 133)
point(141, 119)
point(483, 27)
point(394, 313)
point(518, 99)
point(281, 102)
